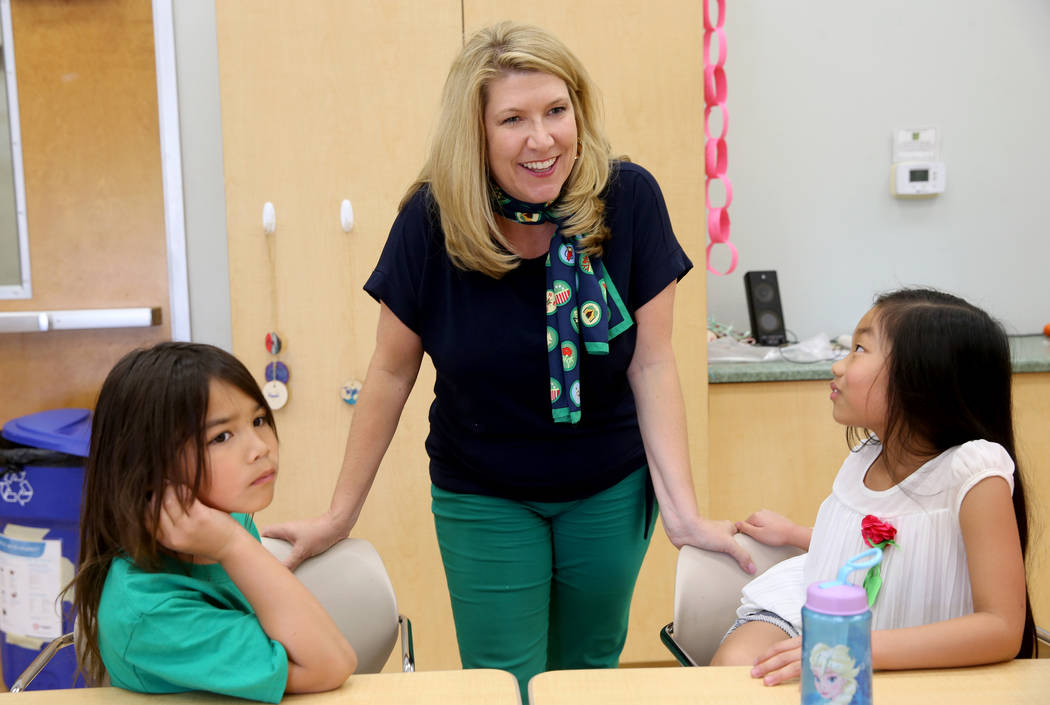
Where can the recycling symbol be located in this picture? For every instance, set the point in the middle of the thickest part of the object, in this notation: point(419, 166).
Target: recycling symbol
point(14, 487)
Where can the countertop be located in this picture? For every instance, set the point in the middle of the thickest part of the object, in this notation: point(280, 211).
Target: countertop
point(1029, 353)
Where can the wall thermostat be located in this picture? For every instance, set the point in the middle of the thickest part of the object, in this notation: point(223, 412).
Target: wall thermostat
point(918, 179)
point(916, 169)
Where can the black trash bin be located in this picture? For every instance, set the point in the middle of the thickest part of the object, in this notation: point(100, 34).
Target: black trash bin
point(42, 461)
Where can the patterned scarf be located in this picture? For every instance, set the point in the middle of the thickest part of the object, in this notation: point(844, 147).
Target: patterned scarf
point(579, 290)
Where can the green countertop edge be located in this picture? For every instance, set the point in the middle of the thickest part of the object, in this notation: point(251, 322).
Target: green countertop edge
point(1029, 353)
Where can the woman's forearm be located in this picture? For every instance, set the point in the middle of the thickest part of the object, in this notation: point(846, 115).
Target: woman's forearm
point(661, 418)
point(653, 375)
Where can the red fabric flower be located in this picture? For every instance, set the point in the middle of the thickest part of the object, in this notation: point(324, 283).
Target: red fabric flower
point(876, 531)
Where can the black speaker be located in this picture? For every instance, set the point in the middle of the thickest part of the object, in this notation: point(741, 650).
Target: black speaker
point(763, 308)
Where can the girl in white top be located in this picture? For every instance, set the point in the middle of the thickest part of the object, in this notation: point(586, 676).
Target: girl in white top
point(925, 392)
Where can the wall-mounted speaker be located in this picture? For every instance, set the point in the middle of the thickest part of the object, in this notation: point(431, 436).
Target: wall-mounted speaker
point(763, 308)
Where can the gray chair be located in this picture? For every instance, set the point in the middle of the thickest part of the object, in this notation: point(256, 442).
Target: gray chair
point(351, 583)
point(706, 595)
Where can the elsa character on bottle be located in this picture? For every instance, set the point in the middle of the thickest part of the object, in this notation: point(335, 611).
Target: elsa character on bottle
point(834, 673)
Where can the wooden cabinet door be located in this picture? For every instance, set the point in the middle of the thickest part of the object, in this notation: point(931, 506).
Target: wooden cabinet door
point(324, 101)
point(94, 200)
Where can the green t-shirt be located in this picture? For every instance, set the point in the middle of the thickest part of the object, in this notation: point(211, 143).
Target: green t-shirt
point(185, 628)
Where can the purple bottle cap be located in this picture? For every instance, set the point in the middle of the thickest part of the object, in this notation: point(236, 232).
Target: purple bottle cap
point(840, 597)
point(837, 599)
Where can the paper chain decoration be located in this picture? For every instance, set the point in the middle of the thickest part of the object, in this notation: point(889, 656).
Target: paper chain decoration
point(716, 153)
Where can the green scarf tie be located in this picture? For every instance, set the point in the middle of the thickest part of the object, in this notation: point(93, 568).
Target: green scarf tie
point(583, 305)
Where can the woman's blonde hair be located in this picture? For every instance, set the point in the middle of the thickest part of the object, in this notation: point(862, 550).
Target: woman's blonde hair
point(456, 169)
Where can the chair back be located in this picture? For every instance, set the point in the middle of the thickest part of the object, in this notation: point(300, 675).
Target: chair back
point(707, 593)
point(351, 583)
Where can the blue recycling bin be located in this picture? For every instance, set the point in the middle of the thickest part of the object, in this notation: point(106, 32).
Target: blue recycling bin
point(42, 462)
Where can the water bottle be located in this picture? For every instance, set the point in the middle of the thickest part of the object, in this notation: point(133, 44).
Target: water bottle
point(836, 638)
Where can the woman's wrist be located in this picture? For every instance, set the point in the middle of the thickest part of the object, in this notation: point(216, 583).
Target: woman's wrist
point(678, 527)
point(341, 518)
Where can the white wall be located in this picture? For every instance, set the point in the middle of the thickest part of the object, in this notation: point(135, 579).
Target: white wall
point(815, 90)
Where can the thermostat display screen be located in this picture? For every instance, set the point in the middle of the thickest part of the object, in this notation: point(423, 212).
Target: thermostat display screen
point(917, 179)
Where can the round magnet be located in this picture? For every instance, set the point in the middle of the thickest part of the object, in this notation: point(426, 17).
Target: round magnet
point(349, 391)
point(273, 343)
point(277, 371)
point(276, 394)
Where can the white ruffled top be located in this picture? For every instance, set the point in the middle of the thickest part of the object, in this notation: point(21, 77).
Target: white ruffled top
point(925, 577)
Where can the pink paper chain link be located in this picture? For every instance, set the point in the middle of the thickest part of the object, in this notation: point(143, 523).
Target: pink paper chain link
point(716, 151)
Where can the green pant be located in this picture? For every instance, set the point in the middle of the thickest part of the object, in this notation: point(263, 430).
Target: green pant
point(541, 586)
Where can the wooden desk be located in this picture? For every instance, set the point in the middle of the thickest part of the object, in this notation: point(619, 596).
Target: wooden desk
point(474, 687)
point(1011, 683)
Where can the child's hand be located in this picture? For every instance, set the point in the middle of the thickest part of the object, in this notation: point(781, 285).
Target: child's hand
point(769, 528)
point(783, 661)
point(197, 530)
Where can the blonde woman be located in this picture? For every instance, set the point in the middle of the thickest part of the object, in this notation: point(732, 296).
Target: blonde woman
point(539, 274)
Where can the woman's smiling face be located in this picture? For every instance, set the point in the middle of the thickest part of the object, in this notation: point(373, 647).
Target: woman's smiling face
point(530, 134)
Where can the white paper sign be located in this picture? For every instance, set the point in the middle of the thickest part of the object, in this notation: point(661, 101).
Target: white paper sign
point(29, 589)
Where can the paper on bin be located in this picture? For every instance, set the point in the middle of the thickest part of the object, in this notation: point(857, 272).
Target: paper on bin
point(29, 587)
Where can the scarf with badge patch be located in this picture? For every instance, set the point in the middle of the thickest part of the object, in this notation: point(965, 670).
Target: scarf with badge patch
point(584, 309)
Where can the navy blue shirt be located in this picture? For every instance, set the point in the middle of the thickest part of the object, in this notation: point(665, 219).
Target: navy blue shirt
point(491, 430)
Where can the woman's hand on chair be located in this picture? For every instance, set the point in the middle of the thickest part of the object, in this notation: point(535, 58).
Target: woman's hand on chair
point(783, 661)
point(712, 535)
point(308, 537)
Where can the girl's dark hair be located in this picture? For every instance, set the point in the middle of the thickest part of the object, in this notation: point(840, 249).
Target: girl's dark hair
point(948, 382)
point(147, 431)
